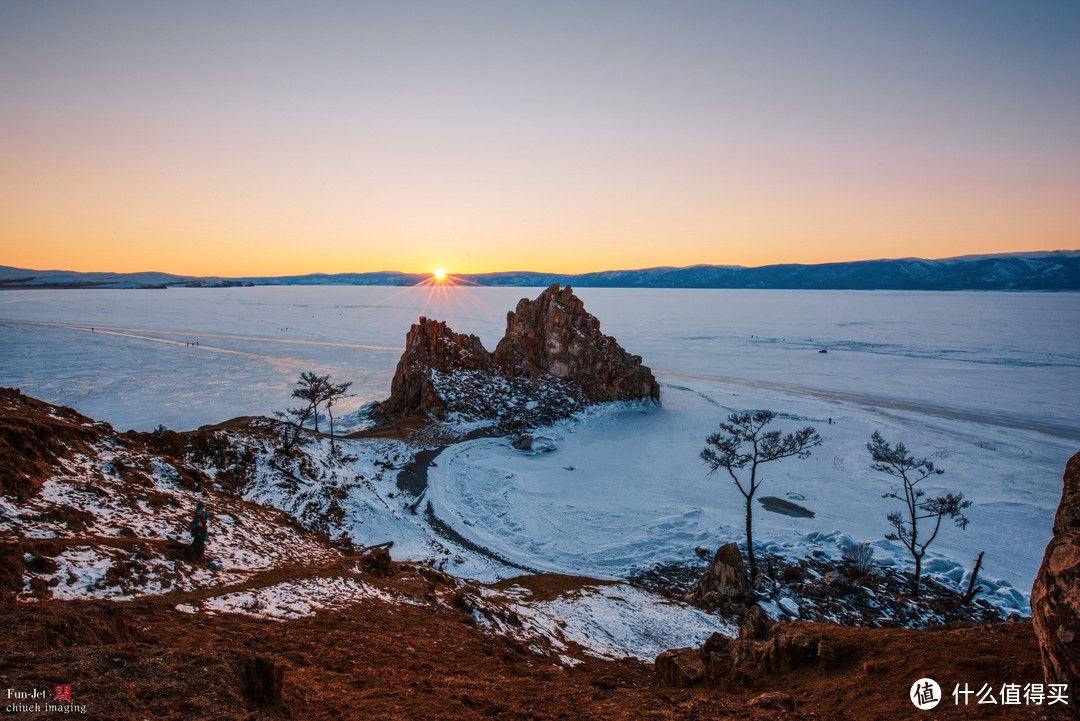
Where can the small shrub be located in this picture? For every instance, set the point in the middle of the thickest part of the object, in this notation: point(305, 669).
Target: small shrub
point(859, 558)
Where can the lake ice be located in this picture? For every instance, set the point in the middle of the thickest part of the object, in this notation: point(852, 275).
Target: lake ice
point(986, 384)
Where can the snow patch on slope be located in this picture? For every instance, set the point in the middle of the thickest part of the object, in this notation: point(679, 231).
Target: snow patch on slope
point(294, 599)
point(619, 621)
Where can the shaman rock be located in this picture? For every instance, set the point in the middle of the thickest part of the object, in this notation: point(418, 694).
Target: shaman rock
point(552, 361)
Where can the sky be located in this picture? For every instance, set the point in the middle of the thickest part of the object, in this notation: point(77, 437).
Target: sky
point(271, 138)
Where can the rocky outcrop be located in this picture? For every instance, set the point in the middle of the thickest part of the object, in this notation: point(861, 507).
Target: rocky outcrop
point(723, 583)
point(555, 335)
point(755, 624)
point(1055, 597)
point(378, 563)
point(678, 668)
point(431, 349)
point(729, 663)
point(552, 360)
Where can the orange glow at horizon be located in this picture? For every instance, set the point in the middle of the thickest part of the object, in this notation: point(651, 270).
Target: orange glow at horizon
point(98, 217)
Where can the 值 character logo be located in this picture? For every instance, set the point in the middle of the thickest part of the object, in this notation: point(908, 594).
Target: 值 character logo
point(925, 694)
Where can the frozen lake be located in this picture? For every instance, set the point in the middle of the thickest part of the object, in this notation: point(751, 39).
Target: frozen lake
point(1010, 356)
point(987, 384)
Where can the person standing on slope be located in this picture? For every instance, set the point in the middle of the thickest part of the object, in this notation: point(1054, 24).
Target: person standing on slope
point(198, 528)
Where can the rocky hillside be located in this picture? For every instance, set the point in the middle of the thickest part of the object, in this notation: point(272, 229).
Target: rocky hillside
point(89, 513)
point(100, 593)
point(551, 361)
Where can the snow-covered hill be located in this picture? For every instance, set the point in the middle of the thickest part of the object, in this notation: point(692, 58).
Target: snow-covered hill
point(87, 513)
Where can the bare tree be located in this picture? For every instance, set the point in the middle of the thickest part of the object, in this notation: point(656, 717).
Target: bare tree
point(332, 393)
point(972, 588)
point(314, 390)
point(296, 418)
point(898, 463)
point(311, 389)
point(743, 442)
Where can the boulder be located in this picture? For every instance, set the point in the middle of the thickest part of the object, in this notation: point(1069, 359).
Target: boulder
point(1055, 597)
point(755, 624)
point(729, 663)
point(678, 668)
point(543, 444)
point(774, 699)
point(535, 444)
point(723, 581)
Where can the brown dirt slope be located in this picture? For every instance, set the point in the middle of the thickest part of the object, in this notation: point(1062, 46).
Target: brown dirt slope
point(34, 436)
point(377, 660)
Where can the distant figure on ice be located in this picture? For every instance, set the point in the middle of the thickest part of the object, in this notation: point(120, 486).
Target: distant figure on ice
point(198, 529)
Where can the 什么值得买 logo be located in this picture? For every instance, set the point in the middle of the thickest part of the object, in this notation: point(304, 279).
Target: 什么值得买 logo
point(925, 694)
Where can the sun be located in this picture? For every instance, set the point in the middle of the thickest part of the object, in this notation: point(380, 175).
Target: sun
point(439, 273)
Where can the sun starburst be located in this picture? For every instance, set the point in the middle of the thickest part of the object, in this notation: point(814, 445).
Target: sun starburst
point(438, 295)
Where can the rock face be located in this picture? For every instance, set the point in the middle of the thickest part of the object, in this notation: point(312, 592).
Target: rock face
point(555, 335)
point(552, 360)
point(755, 624)
point(1055, 597)
point(431, 348)
point(678, 668)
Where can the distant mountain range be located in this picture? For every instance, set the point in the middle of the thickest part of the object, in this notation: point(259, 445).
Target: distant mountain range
point(1041, 270)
